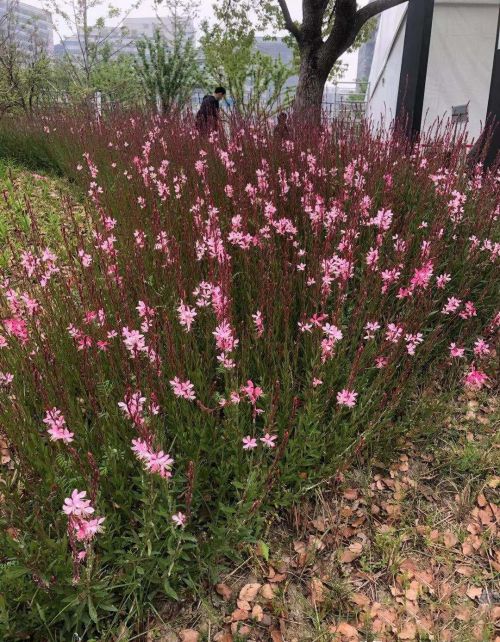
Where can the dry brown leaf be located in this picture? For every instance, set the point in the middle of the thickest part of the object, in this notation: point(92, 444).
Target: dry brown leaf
point(317, 591)
point(351, 553)
point(347, 632)
point(243, 605)
point(239, 615)
point(450, 539)
point(249, 592)
point(467, 571)
point(189, 635)
point(267, 592)
point(224, 591)
point(319, 524)
point(360, 599)
point(223, 636)
point(276, 635)
point(474, 592)
point(257, 613)
point(408, 631)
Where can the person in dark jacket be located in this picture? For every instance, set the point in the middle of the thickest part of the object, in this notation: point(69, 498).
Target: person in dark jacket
point(281, 131)
point(207, 118)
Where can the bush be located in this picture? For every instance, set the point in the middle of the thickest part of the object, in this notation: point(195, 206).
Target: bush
point(231, 323)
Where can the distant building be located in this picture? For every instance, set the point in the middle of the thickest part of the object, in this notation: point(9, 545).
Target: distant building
point(462, 48)
point(30, 26)
point(277, 49)
point(123, 39)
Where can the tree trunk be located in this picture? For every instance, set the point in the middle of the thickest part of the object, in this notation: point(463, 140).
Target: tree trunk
point(310, 88)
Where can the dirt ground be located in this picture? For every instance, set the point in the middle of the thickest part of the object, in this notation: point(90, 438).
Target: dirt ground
point(401, 551)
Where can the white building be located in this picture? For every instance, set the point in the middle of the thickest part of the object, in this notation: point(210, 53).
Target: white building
point(30, 26)
point(123, 38)
point(462, 47)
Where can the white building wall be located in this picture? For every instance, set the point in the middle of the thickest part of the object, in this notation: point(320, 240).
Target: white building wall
point(460, 62)
point(386, 66)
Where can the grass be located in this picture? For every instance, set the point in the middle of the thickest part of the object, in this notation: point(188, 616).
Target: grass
point(46, 194)
point(419, 576)
point(365, 556)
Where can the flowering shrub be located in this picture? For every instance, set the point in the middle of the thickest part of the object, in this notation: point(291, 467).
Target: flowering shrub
point(231, 322)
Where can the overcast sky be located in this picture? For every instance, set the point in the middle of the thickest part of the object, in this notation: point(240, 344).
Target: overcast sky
point(205, 12)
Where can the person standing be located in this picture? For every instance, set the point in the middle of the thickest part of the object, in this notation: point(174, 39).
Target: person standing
point(207, 118)
point(281, 131)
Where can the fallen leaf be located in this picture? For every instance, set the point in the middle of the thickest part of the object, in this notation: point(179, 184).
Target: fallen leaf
point(189, 635)
point(243, 605)
point(239, 615)
point(347, 632)
point(267, 592)
point(257, 613)
point(249, 592)
point(317, 591)
point(319, 524)
point(223, 636)
point(351, 553)
point(224, 591)
point(450, 539)
point(360, 599)
point(276, 636)
point(474, 592)
point(408, 631)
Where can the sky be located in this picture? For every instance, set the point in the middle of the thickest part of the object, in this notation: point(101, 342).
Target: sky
point(204, 12)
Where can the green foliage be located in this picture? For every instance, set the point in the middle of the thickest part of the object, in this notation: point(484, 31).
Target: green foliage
point(168, 72)
point(255, 81)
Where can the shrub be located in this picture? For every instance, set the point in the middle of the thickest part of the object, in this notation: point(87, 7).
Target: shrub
point(233, 320)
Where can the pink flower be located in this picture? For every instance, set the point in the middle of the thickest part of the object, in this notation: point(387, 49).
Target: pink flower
point(186, 316)
point(179, 519)
point(475, 379)
point(456, 351)
point(347, 398)
point(468, 311)
point(442, 280)
point(87, 529)
point(183, 389)
point(249, 443)
point(412, 341)
point(6, 378)
point(224, 337)
point(422, 276)
point(161, 463)
point(3, 341)
point(134, 341)
point(371, 327)
point(381, 362)
point(452, 305)
point(234, 397)
point(77, 505)
point(259, 323)
point(57, 430)
point(17, 328)
point(226, 362)
point(316, 382)
point(481, 348)
point(394, 333)
point(132, 407)
point(269, 440)
point(252, 391)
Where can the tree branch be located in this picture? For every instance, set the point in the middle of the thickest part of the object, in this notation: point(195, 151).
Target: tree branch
point(289, 23)
point(374, 8)
point(348, 23)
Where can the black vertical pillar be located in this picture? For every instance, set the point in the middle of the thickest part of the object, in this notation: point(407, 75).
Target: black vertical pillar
point(414, 65)
point(493, 111)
